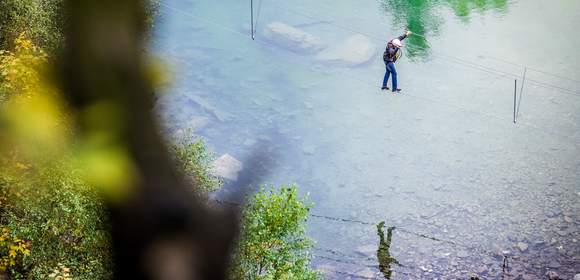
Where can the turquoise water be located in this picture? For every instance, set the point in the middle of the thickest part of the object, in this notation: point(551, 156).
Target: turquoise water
point(443, 161)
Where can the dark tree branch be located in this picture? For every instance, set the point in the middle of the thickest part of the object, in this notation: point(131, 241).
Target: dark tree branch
point(160, 230)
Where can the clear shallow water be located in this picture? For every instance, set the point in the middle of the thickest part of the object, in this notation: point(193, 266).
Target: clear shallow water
point(442, 159)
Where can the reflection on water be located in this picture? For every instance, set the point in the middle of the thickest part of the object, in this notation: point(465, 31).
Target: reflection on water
point(422, 17)
point(383, 252)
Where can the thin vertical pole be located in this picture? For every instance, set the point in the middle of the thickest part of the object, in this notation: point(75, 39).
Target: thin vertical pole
point(252, 17)
point(515, 93)
point(521, 92)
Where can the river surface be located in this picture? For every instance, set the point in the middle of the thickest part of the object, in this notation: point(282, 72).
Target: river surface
point(442, 162)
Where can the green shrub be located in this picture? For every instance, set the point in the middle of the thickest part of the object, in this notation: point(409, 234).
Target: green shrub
point(44, 202)
point(194, 160)
point(43, 21)
point(63, 220)
point(40, 20)
point(273, 244)
point(12, 250)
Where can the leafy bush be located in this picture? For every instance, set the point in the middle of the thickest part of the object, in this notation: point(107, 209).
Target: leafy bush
point(12, 250)
point(44, 200)
point(20, 69)
point(40, 20)
point(273, 244)
point(60, 273)
point(194, 160)
point(43, 21)
point(64, 221)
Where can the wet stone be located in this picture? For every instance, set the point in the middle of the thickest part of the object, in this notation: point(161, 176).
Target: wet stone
point(197, 123)
point(366, 273)
point(208, 107)
point(309, 150)
point(563, 232)
point(527, 277)
point(482, 270)
point(539, 243)
point(552, 275)
point(226, 167)
point(353, 51)
point(367, 250)
point(293, 38)
point(553, 213)
point(522, 246)
point(554, 264)
point(462, 254)
point(249, 142)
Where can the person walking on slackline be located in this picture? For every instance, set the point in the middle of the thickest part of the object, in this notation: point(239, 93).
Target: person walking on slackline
point(390, 56)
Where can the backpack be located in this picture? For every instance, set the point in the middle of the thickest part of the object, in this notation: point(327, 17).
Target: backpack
point(386, 54)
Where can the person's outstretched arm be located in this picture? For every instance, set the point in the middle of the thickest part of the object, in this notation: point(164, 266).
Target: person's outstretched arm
point(407, 34)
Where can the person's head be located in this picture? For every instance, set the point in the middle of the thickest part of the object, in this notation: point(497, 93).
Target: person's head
point(397, 43)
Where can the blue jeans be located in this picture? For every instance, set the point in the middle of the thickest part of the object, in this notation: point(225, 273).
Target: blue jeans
point(390, 70)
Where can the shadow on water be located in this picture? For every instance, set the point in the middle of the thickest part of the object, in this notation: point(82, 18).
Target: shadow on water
point(423, 18)
point(259, 163)
point(383, 252)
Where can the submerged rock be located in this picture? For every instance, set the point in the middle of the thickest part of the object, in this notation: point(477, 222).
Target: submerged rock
point(554, 264)
point(292, 38)
point(552, 275)
point(462, 254)
point(309, 150)
point(481, 270)
point(226, 167)
point(206, 106)
point(353, 51)
point(367, 250)
point(522, 246)
point(250, 142)
point(366, 273)
point(197, 123)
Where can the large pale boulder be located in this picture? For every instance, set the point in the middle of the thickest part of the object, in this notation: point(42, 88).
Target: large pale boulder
point(292, 38)
point(353, 51)
point(226, 167)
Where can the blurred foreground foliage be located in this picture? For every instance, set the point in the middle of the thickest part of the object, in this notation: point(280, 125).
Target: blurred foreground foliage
point(33, 118)
point(45, 201)
point(53, 222)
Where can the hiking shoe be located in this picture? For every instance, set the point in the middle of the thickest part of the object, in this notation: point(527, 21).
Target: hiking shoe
point(385, 88)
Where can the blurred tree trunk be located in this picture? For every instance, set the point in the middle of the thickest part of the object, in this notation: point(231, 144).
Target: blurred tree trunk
point(159, 230)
